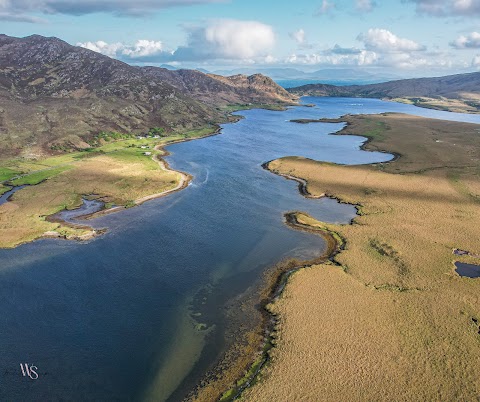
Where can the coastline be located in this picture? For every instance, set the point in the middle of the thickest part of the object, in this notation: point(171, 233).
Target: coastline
point(366, 145)
point(302, 189)
point(185, 178)
point(66, 230)
point(269, 288)
point(273, 283)
point(89, 233)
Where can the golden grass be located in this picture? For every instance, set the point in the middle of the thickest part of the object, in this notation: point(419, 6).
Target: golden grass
point(119, 179)
point(397, 323)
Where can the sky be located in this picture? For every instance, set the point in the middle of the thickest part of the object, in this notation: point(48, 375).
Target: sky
point(403, 37)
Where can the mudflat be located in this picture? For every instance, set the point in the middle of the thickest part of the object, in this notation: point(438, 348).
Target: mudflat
point(389, 318)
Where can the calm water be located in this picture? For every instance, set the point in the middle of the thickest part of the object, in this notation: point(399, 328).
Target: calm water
point(5, 196)
point(468, 270)
point(109, 320)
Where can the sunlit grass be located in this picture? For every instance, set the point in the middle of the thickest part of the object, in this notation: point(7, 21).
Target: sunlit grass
point(397, 324)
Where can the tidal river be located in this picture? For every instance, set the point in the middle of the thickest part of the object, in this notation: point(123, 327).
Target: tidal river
point(112, 319)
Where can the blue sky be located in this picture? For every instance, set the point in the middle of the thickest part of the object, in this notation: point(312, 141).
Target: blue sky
point(406, 37)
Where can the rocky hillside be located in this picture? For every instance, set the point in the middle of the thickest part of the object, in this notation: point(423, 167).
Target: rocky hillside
point(218, 90)
point(464, 87)
point(53, 93)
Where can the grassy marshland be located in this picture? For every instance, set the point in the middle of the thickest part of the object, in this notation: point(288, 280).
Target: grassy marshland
point(396, 323)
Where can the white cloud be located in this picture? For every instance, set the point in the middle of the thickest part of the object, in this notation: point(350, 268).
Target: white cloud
point(108, 49)
point(365, 6)
point(362, 58)
point(144, 48)
point(227, 39)
point(299, 36)
point(448, 8)
point(325, 8)
point(223, 39)
point(470, 41)
point(381, 49)
point(385, 41)
point(141, 50)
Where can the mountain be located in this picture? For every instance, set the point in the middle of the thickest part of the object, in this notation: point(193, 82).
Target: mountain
point(346, 75)
point(53, 93)
point(460, 91)
point(217, 90)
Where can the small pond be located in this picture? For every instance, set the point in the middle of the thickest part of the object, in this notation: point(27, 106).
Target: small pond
point(467, 270)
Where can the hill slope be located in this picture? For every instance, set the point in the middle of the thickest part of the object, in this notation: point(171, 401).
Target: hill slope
point(53, 94)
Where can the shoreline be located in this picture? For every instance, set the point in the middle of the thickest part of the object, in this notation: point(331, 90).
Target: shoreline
point(291, 166)
point(274, 284)
point(366, 145)
point(335, 244)
point(185, 178)
point(93, 233)
point(269, 289)
point(277, 278)
point(302, 189)
point(184, 182)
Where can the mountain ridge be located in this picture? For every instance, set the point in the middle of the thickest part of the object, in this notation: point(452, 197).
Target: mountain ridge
point(70, 94)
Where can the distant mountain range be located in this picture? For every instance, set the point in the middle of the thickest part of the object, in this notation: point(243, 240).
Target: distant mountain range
point(451, 86)
point(279, 74)
point(347, 75)
point(52, 92)
point(459, 92)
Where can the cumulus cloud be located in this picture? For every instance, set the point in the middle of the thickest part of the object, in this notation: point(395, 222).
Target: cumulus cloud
point(325, 8)
point(141, 51)
point(19, 10)
point(222, 39)
point(380, 48)
point(470, 41)
point(385, 41)
point(448, 8)
point(299, 36)
point(227, 39)
point(365, 6)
